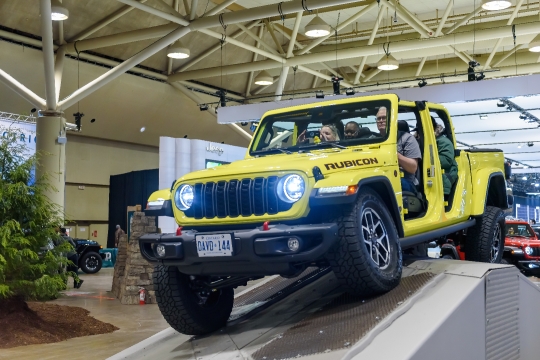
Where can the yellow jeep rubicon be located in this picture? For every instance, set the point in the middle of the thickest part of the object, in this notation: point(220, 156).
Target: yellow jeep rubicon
point(306, 195)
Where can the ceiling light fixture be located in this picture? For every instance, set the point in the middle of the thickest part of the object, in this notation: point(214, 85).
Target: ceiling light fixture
point(388, 63)
point(480, 76)
point(178, 51)
point(534, 45)
point(492, 5)
point(319, 94)
point(422, 83)
point(522, 116)
point(203, 107)
point(142, 129)
point(58, 12)
point(350, 91)
point(501, 103)
point(317, 27)
point(335, 84)
point(264, 78)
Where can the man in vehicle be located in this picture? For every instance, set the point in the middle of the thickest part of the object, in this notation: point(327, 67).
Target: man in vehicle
point(445, 149)
point(351, 130)
point(408, 153)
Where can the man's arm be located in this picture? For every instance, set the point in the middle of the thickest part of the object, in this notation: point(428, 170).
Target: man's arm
point(409, 165)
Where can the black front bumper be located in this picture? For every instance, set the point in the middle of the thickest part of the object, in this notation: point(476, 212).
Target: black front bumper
point(529, 266)
point(255, 251)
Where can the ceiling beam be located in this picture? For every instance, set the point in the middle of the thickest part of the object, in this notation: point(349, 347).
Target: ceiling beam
point(58, 70)
point(22, 90)
point(449, 7)
point(255, 55)
point(219, 7)
point(325, 10)
point(370, 42)
point(156, 12)
point(292, 39)
point(193, 10)
point(464, 20)
point(406, 45)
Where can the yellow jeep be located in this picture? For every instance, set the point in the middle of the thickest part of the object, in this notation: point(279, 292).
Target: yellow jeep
point(302, 198)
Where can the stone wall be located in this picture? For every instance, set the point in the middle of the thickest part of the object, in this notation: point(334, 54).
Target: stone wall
point(131, 270)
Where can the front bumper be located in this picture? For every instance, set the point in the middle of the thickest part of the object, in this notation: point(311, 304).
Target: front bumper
point(255, 251)
point(529, 266)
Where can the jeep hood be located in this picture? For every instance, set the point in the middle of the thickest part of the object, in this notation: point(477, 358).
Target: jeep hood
point(328, 160)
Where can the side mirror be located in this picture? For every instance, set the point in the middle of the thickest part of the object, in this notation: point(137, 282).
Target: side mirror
point(510, 200)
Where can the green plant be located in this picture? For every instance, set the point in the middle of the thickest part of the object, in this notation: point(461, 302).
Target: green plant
point(29, 269)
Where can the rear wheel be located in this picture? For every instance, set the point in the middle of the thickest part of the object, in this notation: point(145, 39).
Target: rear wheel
point(91, 262)
point(189, 311)
point(485, 240)
point(367, 255)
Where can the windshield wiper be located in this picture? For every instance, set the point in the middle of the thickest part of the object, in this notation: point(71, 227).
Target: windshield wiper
point(323, 144)
point(268, 151)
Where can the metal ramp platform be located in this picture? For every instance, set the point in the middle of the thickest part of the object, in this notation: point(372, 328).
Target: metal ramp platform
point(443, 309)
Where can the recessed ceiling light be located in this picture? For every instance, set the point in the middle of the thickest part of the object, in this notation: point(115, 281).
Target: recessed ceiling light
point(264, 78)
point(178, 51)
point(142, 129)
point(387, 63)
point(58, 12)
point(317, 27)
point(492, 5)
point(534, 45)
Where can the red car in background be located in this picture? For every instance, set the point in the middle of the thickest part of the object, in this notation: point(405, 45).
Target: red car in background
point(522, 247)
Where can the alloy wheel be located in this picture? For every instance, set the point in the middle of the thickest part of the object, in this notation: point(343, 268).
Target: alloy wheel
point(376, 238)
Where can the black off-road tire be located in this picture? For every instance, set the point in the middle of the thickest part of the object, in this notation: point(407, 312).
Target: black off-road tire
point(485, 240)
point(179, 304)
point(350, 258)
point(449, 257)
point(91, 262)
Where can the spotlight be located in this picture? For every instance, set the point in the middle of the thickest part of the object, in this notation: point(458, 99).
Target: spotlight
point(317, 27)
point(480, 76)
point(474, 63)
point(530, 144)
point(33, 110)
point(335, 83)
point(178, 51)
point(522, 116)
point(143, 129)
point(349, 91)
point(93, 120)
point(244, 123)
point(221, 93)
point(501, 103)
point(58, 12)
point(483, 117)
point(422, 83)
point(509, 108)
point(319, 94)
point(203, 107)
point(470, 74)
point(185, 136)
point(78, 118)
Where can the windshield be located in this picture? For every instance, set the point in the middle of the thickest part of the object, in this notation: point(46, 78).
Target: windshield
point(338, 126)
point(519, 230)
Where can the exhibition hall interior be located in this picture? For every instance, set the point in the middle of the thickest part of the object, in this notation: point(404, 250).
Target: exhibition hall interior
point(263, 179)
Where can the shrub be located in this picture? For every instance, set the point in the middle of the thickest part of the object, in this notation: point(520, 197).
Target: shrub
point(28, 223)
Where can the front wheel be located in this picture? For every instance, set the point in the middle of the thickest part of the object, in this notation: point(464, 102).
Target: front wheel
point(485, 240)
point(91, 262)
point(187, 310)
point(367, 256)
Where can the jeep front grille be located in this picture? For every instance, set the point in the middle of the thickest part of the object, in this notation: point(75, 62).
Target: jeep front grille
point(235, 198)
point(536, 251)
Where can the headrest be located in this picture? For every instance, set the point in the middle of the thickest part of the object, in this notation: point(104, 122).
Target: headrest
point(363, 131)
point(403, 126)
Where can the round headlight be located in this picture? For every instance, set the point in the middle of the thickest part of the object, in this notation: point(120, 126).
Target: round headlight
point(528, 250)
point(291, 188)
point(183, 197)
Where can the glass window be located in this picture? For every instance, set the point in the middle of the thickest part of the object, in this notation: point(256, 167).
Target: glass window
point(339, 125)
point(518, 230)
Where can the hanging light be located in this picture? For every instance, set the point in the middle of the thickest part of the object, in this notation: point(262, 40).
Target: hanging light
point(58, 12)
point(492, 5)
point(264, 78)
point(317, 27)
point(534, 45)
point(388, 62)
point(178, 51)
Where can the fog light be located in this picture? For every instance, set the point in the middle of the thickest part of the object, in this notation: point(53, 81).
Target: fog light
point(293, 244)
point(160, 250)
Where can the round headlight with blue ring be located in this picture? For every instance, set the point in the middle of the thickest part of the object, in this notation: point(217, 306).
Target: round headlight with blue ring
point(183, 197)
point(529, 250)
point(291, 188)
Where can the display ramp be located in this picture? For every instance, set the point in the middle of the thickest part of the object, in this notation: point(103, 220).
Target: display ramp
point(443, 309)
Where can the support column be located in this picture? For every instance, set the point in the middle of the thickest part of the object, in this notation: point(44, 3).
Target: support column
point(52, 154)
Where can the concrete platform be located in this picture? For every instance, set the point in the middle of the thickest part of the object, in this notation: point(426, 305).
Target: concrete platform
point(453, 308)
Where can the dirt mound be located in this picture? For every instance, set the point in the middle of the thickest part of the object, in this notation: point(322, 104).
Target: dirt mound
point(40, 323)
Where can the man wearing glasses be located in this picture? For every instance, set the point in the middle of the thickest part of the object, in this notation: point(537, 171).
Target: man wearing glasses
point(408, 153)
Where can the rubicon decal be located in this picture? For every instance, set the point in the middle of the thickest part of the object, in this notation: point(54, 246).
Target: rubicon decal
point(351, 163)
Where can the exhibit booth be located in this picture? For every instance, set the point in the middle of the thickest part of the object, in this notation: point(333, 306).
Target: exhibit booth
point(177, 157)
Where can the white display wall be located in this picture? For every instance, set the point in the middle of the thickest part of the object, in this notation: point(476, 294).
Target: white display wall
point(178, 157)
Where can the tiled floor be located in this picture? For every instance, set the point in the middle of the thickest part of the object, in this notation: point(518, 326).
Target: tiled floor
point(136, 323)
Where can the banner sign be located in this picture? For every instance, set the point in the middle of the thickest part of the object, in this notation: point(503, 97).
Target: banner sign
point(25, 132)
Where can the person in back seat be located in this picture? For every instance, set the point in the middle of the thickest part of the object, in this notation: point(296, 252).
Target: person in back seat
point(408, 153)
point(445, 148)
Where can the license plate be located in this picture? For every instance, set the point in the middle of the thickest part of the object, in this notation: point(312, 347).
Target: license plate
point(214, 245)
